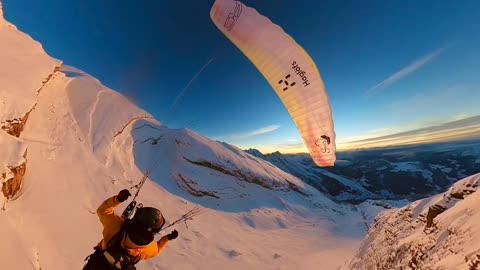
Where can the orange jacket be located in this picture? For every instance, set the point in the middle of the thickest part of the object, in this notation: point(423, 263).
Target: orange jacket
point(112, 224)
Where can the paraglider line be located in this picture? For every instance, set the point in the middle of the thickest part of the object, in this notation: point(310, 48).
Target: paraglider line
point(185, 217)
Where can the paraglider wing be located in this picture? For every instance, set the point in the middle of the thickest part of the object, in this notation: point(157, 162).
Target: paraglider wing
point(288, 69)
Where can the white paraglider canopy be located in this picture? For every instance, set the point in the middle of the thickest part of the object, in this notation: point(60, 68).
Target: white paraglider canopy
point(288, 69)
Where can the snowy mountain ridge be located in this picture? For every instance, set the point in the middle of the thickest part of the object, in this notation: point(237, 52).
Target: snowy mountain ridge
point(440, 232)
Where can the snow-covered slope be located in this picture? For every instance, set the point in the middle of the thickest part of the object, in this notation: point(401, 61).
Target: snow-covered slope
point(68, 142)
point(440, 232)
point(16, 53)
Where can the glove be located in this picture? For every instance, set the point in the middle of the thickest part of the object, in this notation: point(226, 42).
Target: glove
point(123, 195)
point(172, 235)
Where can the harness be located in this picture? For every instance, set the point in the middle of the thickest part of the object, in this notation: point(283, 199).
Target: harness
point(114, 256)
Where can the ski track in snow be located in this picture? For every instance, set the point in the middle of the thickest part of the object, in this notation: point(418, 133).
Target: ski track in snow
point(38, 141)
point(36, 263)
point(92, 113)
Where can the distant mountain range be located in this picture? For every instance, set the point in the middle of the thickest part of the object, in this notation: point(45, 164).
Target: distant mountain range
point(407, 172)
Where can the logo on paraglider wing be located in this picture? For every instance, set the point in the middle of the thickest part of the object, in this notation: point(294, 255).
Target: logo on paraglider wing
point(287, 84)
point(323, 142)
point(233, 16)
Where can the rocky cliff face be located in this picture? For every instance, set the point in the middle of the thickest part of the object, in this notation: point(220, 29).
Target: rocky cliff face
point(12, 185)
point(13, 156)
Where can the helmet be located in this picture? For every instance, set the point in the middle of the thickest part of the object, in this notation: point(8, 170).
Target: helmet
point(151, 219)
point(146, 222)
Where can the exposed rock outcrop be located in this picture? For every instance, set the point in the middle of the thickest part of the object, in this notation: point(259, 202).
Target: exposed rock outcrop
point(15, 126)
point(12, 186)
point(236, 173)
point(191, 187)
point(434, 211)
point(12, 181)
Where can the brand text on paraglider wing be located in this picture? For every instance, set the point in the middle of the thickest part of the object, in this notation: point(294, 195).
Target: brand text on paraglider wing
point(300, 72)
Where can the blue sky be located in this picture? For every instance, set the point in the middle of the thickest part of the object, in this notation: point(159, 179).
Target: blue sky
point(388, 66)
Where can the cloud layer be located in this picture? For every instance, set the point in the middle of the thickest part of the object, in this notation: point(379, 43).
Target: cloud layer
point(455, 130)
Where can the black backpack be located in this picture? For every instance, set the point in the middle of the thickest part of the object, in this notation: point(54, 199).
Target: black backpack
point(114, 257)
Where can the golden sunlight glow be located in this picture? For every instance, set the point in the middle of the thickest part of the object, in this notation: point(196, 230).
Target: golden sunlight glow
point(428, 137)
point(366, 142)
point(283, 149)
